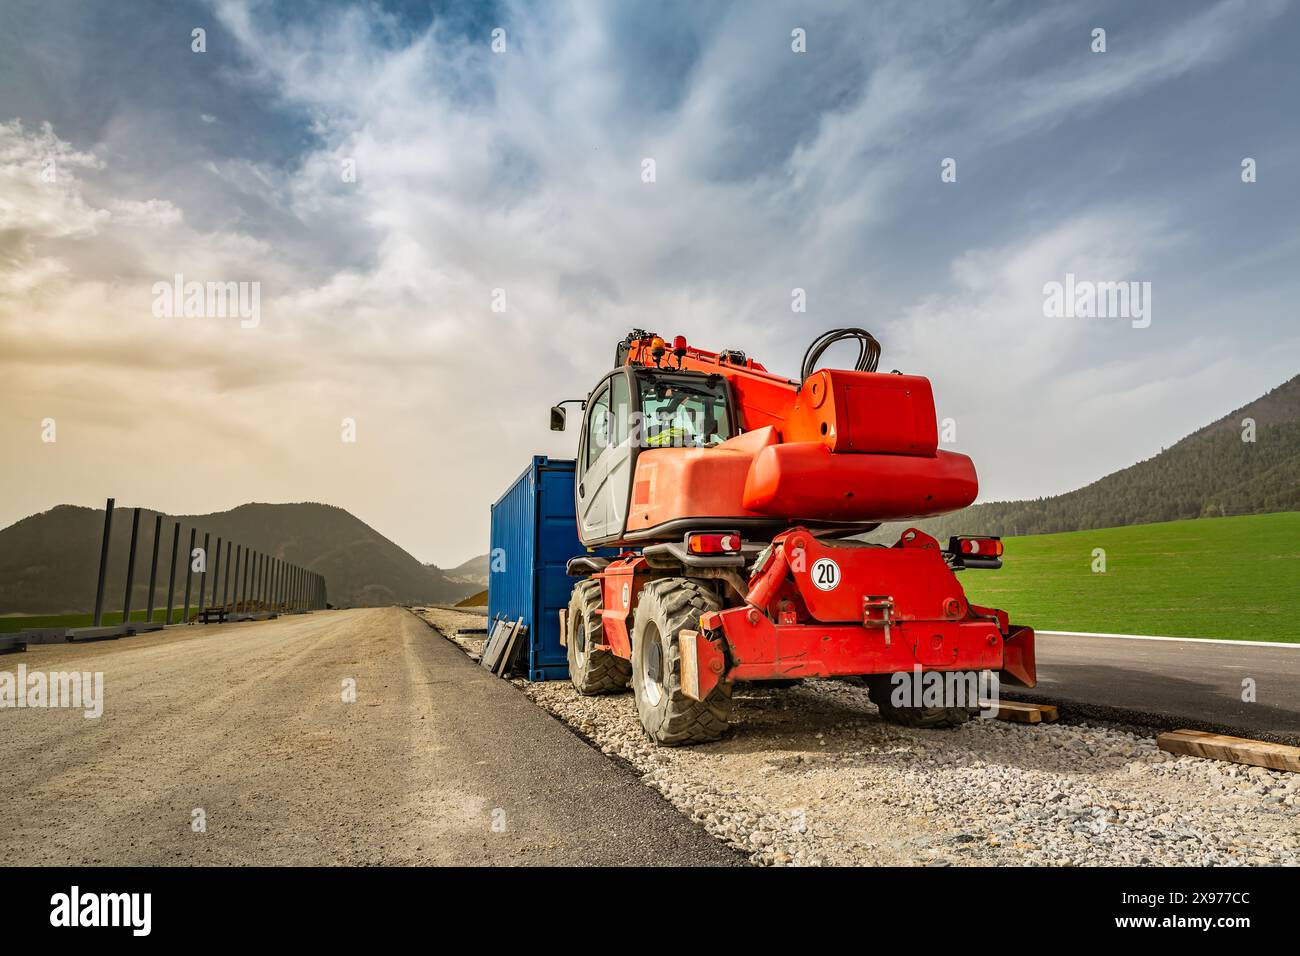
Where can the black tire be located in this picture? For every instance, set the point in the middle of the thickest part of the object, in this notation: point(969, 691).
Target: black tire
point(880, 689)
point(592, 672)
point(666, 607)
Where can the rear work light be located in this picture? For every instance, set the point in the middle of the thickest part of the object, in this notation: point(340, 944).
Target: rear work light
point(725, 543)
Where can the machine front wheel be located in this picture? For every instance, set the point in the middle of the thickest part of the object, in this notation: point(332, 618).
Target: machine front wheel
point(666, 607)
point(592, 671)
point(880, 689)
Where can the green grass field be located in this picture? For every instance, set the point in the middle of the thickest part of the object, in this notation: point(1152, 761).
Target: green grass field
point(15, 622)
point(1235, 578)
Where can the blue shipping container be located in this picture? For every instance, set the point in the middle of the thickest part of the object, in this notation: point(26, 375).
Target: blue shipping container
point(534, 534)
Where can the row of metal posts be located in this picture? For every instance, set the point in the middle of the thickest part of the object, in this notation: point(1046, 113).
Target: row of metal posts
point(266, 583)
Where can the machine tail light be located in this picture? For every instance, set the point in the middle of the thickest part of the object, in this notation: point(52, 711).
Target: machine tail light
point(713, 543)
point(981, 547)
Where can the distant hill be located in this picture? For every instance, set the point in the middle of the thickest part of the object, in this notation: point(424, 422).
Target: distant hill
point(473, 571)
point(1210, 473)
point(48, 562)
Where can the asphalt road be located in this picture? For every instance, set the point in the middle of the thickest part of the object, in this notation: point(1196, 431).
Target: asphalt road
point(436, 761)
point(1167, 684)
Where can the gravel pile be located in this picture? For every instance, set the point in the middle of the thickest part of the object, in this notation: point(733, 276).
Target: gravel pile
point(449, 622)
point(811, 776)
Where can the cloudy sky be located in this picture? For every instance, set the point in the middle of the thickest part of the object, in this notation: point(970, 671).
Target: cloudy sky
point(126, 158)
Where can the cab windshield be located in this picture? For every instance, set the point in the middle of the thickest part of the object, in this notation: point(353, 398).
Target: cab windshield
point(682, 411)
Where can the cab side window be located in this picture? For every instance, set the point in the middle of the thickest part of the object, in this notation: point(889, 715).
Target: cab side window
point(620, 408)
point(598, 426)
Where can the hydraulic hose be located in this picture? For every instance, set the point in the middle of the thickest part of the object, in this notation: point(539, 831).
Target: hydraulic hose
point(868, 350)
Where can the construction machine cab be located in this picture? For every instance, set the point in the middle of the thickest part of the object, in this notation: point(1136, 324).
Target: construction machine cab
point(633, 409)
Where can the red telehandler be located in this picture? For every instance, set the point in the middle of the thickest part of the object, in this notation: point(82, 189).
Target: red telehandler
point(734, 498)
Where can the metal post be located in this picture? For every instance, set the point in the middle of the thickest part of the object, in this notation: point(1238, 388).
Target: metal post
point(153, 566)
point(239, 549)
point(216, 575)
point(189, 571)
point(203, 578)
point(171, 578)
point(103, 564)
point(130, 567)
point(225, 583)
point(266, 563)
point(248, 559)
point(257, 585)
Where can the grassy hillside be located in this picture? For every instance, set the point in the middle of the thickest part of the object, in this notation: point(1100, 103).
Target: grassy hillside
point(1210, 473)
point(48, 562)
point(1220, 578)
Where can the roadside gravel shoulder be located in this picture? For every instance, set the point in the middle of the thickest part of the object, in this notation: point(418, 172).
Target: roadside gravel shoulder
point(810, 775)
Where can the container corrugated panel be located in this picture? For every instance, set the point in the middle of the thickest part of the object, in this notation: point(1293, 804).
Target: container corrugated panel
point(534, 534)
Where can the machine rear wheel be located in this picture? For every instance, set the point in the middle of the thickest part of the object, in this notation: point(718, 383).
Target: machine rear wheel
point(666, 607)
point(880, 688)
point(592, 671)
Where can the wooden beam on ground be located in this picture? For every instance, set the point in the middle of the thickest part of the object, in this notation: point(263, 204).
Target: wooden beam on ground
point(1256, 753)
point(1020, 713)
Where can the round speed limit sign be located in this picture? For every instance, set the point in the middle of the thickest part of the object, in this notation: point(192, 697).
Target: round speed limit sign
point(825, 574)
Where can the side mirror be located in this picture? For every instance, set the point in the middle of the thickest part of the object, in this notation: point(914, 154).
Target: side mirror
point(557, 418)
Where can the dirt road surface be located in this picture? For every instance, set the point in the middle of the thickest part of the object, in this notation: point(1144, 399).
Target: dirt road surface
point(436, 762)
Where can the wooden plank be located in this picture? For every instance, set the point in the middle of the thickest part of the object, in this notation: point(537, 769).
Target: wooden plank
point(507, 653)
point(1256, 753)
point(492, 649)
point(1020, 713)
